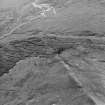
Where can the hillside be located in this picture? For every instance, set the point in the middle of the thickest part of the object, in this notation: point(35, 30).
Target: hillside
point(54, 60)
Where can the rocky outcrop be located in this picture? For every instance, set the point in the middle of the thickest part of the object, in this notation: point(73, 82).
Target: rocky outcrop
point(82, 57)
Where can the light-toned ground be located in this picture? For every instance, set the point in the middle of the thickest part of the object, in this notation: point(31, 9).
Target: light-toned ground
point(75, 17)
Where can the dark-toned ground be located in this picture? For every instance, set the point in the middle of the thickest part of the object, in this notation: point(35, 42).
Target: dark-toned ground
point(57, 60)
